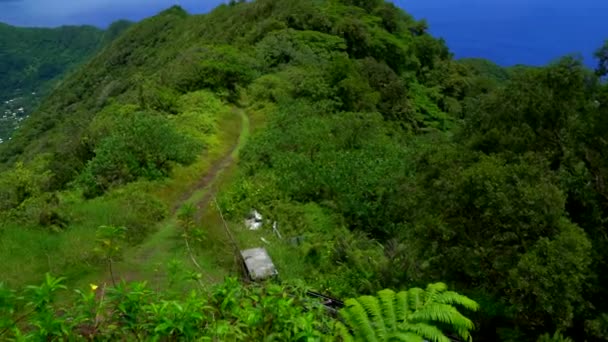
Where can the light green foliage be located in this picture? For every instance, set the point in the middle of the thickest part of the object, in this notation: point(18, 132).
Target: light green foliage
point(337, 159)
point(7, 307)
point(426, 111)
point(145, 146)
point(412, 315)
point(199, 113)
point(155, 97)
point(43, 317)
point(230, 311)
point(110, 242)
point(22, 183)
point(271, 88)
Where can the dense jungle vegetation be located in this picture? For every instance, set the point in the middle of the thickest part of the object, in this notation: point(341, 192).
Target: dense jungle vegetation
point(386, 163)
point(32, 61)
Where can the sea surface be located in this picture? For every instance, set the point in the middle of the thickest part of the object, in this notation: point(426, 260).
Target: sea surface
point(509, 32)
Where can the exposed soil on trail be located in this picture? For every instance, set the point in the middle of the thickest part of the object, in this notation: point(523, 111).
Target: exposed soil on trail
point(146, 253)
point(206, 181)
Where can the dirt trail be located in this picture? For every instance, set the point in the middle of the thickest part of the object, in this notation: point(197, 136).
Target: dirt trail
point(211, 175)
point(167, 239)
point(207, 181)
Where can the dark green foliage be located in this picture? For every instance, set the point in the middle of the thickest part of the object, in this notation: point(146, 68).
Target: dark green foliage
point(368, 5)
point(219, 68)
point(557, 337)
point(602, 56)
point(33, 60)
point(551, 276)
point(485, 68)
point(32, 57)
point(597, 327)
point(297, 47)
point(115, 30)
point(535, 110)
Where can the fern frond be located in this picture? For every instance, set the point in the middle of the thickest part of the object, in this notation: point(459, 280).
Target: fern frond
point(443, 313)
point(343, 333)
point(451, 297)
point(414, 315)
point(464, 334)
point(356, 316)
point(427, 331)
point(405, 337)
point(415, 298)
point(434, 290)
point(402, 311)
point(372, 307)
point(387, 302)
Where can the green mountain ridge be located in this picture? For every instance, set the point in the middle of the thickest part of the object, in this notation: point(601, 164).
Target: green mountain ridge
point(33, 60)
point(384, 162)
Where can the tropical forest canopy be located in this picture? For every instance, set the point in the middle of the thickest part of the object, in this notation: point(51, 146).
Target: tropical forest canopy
point(386, 164)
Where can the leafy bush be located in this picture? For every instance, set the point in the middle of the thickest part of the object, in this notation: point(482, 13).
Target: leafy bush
point(229, 311)
point(144, 146)
point(22, 183)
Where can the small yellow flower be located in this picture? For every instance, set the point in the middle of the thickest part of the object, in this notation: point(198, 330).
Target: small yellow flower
point(93, 287)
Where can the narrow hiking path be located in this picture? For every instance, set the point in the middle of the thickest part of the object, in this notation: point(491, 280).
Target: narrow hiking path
point(149, 260)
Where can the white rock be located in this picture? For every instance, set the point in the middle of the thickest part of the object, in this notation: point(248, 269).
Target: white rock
point(254, 221)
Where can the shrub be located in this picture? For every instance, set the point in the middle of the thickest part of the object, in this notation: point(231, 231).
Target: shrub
point(144, 146)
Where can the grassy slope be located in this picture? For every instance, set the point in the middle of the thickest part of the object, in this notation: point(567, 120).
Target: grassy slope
point(29, 252)
point(150, 260)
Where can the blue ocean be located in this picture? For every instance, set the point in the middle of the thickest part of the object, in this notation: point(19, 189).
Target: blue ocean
point(511, 32)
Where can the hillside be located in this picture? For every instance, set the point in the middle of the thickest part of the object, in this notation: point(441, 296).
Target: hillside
point(32, 60)
point(384, 162)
